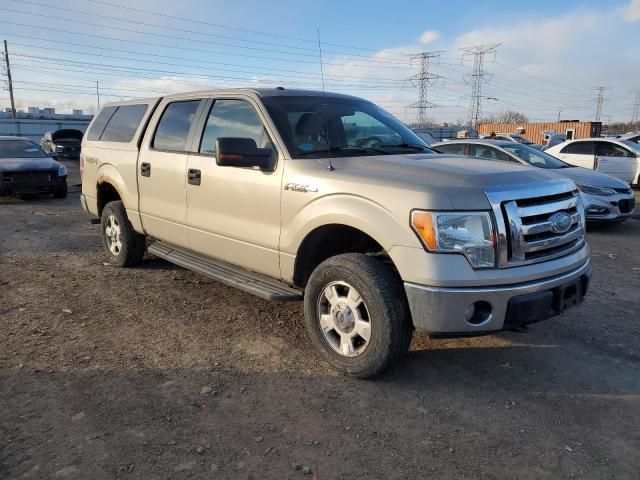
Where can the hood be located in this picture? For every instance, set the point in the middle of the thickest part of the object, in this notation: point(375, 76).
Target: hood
point(462, 180)
point(585, 176)
point(27, 164)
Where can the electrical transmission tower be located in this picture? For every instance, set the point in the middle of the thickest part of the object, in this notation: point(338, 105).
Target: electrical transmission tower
point(600, 99)
point(422, 80)
point(636, 108)
point(477, 78)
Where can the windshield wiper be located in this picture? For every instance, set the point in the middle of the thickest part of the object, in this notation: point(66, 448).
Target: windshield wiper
point(344, 150)
point(406, 145)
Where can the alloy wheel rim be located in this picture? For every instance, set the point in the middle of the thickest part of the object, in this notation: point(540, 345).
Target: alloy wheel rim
point(112, 234)
point(344, 319)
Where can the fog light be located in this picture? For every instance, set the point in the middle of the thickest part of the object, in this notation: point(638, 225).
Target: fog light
point(477, 313)
point(594, 210)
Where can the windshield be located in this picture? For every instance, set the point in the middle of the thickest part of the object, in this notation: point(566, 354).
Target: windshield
point(20, 149)
point(535, 157)
point(633, 145)
point(315, 126)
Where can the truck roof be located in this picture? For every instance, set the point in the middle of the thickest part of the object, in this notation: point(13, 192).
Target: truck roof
point(261, 92)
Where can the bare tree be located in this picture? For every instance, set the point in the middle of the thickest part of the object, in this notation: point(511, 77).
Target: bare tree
point(511, 116)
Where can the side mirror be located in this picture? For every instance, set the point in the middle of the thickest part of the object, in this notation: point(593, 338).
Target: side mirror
point(242, 152)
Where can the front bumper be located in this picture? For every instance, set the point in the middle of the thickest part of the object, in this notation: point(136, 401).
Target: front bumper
point(24, 185)
point(478, 310)
point(612, 208)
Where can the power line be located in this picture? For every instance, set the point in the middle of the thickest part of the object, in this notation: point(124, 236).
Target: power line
point(422, 80)
point(477, 78)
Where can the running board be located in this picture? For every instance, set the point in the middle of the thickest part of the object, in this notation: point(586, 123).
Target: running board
point(250, 282)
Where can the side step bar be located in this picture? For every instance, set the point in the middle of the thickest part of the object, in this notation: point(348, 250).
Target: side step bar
point(255, 283)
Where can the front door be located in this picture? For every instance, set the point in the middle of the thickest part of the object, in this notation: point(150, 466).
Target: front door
point(579, 153)
point(162, 172)
point(234, 213)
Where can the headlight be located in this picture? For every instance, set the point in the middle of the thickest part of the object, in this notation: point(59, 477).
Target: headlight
point(596, 190)
point(62, 171)
point(466, 233)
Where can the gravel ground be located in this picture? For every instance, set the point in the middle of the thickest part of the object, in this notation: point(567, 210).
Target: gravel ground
point(156, 372)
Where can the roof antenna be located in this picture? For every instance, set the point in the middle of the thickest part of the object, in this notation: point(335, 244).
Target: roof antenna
point(330, 167)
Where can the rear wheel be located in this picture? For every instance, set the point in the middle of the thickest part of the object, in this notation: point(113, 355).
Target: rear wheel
point(123, 244)
point(357, 315)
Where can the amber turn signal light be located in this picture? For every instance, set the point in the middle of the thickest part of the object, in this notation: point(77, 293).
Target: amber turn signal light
point(422, 223)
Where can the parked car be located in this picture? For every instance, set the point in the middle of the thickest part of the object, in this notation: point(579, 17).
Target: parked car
point(425, 136)
point(554, 139)
point(630, 137)
point(63, 144)
point(605, 198)
point(295, 195)
point(26, 169)
point(515, 138)
point(619, 158)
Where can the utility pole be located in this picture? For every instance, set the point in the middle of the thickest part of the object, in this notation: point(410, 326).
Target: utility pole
point(98, 94)
point(600, 99)
point(559, 113)
point(7, 67)
point(477, 78)
point(636, 108)
point(422, 80)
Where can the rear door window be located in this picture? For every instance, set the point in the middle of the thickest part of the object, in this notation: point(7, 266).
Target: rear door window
point(123, 124)
point(608, 149)
point(579, 148)
point(173, 129)
point(100, 122)
point(488, 153)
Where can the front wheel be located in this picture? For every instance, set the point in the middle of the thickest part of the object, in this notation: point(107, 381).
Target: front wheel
point(357, 315)
point(61, 191)
point(123, 244)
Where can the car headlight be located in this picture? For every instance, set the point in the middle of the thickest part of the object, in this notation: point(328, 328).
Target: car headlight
point(467, 233)
point(596, 190)
point(62, 171)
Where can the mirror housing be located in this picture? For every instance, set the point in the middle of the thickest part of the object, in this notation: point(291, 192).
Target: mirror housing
point(243, 153)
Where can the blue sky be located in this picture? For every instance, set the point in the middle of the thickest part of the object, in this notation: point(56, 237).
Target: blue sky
point(551, 53)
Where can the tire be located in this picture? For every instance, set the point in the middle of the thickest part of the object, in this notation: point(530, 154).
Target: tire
point(123, 244)
point(362, 290)
point(60, 192)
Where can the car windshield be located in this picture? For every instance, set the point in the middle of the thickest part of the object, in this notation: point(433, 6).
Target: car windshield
point(633, 145)
point(317, 126)
point(535, 157)
point(20, 149)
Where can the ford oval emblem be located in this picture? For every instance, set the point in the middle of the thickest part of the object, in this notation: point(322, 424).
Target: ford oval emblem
point(560, 222)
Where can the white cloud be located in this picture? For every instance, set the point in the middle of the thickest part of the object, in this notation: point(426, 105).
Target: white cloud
point(632, 12)
point(429, 36)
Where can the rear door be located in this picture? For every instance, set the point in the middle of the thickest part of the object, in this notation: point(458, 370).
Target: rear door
point(162, 170)
point(615, 160)
point(579, 153)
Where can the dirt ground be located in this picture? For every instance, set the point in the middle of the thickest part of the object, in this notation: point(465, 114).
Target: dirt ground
point(159, 373)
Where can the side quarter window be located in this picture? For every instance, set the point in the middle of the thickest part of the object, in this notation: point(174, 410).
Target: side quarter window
point(233, 118)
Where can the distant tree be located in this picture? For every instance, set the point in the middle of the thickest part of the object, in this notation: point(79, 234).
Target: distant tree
point(511, 116)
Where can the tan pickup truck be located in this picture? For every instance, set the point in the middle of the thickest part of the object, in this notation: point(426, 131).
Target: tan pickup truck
point(297, 195)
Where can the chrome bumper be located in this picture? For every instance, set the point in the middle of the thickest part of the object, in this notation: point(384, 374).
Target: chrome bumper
point(83, 202)
point(469, 310)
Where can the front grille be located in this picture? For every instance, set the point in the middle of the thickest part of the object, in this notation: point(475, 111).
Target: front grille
point(529, 229)
point(30, 178)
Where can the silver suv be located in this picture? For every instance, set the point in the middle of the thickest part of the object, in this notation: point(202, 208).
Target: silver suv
point(298, 195)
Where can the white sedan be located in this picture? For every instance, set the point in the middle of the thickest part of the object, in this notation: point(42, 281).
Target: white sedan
point(619, 158)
